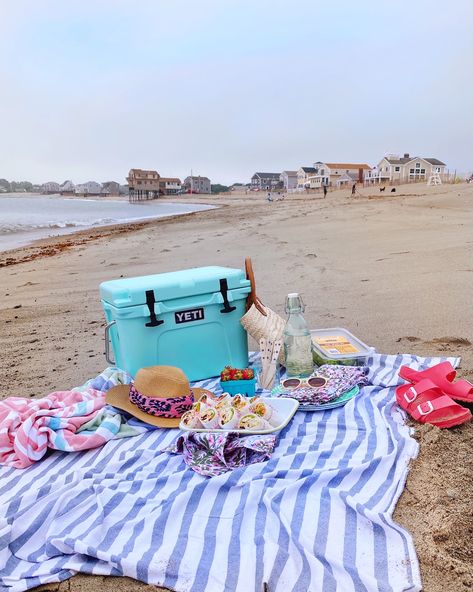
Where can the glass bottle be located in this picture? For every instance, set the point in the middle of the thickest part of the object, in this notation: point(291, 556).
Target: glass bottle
point(297, 339)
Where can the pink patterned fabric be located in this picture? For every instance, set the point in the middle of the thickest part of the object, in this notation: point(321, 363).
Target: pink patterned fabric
point(169, 407)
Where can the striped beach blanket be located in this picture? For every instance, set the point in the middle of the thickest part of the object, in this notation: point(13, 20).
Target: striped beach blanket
point(317, 516)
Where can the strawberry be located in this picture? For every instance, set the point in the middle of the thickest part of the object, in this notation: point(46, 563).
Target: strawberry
point(229, 373)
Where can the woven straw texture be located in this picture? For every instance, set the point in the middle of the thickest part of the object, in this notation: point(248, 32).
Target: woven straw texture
point(269, 327)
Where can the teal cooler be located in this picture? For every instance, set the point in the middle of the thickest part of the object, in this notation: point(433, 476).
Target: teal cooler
point(189, 319)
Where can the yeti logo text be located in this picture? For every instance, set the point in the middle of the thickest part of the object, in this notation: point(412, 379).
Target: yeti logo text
point(187, 316)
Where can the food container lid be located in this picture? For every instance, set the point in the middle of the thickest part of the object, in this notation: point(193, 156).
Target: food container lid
point(339, 344)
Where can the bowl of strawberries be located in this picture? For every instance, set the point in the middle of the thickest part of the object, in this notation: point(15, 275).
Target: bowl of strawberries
point(238, 381)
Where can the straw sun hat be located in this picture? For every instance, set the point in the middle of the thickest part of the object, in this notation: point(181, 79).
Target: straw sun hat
point(159, 395)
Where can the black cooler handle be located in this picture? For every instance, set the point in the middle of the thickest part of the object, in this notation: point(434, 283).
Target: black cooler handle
point(224, 291)
point(150, 301)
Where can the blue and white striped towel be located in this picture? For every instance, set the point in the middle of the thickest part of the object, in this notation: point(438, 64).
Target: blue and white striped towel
point(316, 517)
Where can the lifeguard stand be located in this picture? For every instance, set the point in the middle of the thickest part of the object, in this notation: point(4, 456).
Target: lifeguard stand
point(434, 179)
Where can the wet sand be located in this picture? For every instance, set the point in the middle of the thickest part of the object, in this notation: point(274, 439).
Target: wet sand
point(395, 269)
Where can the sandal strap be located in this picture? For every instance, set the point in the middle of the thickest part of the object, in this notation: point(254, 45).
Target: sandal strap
point(443, 371)
point(461, 388)
point(415, 390)
point(425, 411)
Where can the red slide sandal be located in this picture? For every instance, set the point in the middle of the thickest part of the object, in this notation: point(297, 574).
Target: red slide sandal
point(442, 375)
point(426, 403)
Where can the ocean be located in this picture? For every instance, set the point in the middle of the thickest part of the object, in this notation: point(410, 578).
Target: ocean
point(26, 219)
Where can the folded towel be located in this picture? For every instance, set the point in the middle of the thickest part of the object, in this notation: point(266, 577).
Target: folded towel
point(64, 420)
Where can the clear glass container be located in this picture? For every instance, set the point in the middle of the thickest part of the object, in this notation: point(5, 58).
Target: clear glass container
point(297, 339)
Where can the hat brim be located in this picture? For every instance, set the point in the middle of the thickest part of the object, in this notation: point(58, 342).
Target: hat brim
point(118, 396)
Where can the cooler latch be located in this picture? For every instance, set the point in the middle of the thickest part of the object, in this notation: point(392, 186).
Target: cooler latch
point(150, 301)
point(224, 292)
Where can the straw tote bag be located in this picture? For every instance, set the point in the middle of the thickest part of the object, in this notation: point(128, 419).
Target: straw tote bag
point(259, 320)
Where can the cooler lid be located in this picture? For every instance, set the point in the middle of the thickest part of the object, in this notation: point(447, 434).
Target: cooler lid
point(167, 286)
point(339, 344)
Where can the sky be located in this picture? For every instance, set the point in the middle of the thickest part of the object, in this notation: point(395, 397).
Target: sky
point(92, 88)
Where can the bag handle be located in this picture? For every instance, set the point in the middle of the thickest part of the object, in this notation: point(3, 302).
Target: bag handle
point(252, 296)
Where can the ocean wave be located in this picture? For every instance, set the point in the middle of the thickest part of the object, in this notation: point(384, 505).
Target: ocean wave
point(19, 227)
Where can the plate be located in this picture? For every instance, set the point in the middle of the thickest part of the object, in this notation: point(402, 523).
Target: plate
point(342, 400)
point(284, 407)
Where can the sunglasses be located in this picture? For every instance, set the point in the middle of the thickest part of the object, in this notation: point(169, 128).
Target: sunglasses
point(313, 381)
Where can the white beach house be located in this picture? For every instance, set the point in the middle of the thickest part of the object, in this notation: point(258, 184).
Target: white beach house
point(303, 177)
point(110, 188)
point(288, 179)
point(342, 173)
point(89, 188)
point(50, 187)
point(197, 184)
point(405, 169)
point(170, 185)
point(67, 188)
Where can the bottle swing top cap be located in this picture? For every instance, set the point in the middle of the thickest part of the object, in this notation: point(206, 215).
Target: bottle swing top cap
point(294, 303)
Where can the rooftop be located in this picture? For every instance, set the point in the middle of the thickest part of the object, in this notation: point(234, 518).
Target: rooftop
point(348, 165)
point(142, 172)
point(435, 161)
point(406, 158)
point(267, 175)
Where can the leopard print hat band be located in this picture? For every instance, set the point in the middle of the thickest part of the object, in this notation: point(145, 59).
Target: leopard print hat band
point(168, 407)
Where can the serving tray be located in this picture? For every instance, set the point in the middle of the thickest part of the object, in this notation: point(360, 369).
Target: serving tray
point(285, 408)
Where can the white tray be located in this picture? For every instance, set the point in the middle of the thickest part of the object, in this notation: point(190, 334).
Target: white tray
point(285, 408)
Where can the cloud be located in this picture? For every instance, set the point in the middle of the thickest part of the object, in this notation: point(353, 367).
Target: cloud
point(90, 89)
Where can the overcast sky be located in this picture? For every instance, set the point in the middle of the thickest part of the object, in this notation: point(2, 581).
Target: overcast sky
point(91, 88)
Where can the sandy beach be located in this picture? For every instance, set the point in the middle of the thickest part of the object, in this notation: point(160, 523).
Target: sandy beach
point(396, 269)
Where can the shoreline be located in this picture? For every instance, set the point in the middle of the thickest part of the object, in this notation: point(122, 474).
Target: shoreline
point(49, 246)
point(73, 230)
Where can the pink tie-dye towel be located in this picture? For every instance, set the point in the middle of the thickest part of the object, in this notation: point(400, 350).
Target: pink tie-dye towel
point(64, 420)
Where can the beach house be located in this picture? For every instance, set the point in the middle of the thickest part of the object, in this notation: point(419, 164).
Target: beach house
point(303, 177)
point(110, 188)
point(89, 188)
point(288, 179)
point(50, 187)
point(320, 176)
point(170, 185)
point(406, 169)
point(197, 184)
point(341, 173)
point(67, 188)
point(265, 181)
point(143, 184)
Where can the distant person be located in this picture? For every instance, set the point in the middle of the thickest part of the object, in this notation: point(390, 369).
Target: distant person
point(270, 197)
point(325, 190)
point(353, 189)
